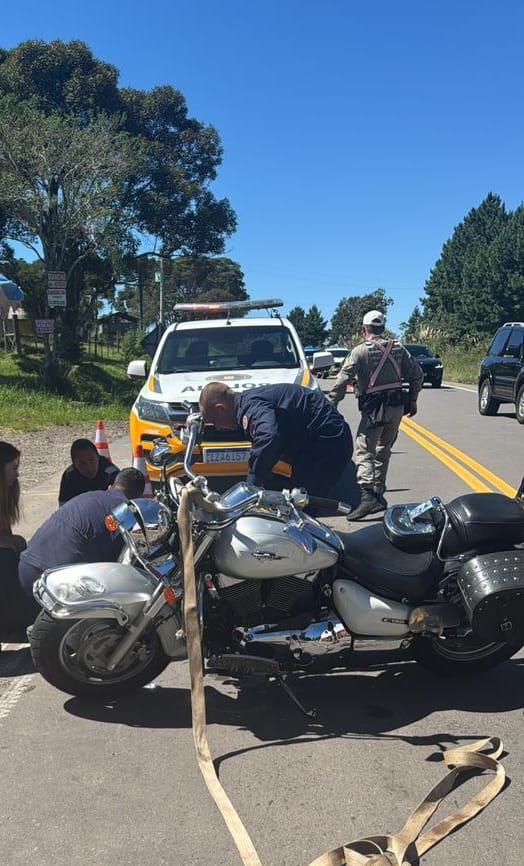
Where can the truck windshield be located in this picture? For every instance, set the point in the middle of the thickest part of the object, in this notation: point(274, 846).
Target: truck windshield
point(244, 347)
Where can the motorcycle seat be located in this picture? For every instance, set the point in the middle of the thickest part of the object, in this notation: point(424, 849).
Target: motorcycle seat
point(372, 560)
point(479, 520)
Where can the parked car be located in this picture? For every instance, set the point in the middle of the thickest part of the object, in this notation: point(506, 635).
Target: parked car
point(431, 364)
point(340, 354)
point(319, 360)
point(501, 375)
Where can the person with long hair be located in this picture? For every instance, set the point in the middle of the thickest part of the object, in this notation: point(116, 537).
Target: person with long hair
point(9, 497)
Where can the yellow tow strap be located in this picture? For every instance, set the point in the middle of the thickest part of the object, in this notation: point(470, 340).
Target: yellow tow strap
point(403, 848)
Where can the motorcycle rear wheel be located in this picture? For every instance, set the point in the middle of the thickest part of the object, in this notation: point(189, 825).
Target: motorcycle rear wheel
point(461, 655)
point(71, 654)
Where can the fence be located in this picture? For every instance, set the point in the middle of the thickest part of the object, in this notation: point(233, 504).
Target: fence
point(17, 336)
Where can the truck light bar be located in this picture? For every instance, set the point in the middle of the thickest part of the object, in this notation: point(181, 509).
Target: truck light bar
point(226, 306)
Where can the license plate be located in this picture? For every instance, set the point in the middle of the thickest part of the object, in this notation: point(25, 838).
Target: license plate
point(225, 455)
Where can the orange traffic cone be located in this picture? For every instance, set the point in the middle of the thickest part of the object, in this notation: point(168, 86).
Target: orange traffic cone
point(140, 464)
point(101, 443)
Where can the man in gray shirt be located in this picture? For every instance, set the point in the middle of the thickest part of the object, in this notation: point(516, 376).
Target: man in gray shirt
point(377, 367)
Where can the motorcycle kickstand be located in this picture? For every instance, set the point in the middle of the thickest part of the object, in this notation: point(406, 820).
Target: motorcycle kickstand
point(281, 681)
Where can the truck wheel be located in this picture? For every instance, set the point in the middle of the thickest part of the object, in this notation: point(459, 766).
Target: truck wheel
point(488, 405)
point(519, 405)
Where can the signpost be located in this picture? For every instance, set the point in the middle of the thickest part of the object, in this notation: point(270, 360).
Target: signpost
point(44, 326)
point(56, 289)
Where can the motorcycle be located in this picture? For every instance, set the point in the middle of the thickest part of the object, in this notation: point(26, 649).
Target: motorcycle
point(279, 591)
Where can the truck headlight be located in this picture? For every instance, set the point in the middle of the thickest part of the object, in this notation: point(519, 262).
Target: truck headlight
point(152, 410)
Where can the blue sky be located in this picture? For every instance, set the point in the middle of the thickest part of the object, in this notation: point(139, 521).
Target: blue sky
point(356, 135)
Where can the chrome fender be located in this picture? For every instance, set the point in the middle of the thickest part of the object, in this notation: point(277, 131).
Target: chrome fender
point(96, 590)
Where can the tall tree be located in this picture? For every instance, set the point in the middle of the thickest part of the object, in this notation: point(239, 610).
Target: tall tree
point(187, 279)
point(463, 286)
point(347, 318)
point(411, 330)
point(30, 276)
point(58, 183)
point(315, 327)
point(297, 317)
point(149, 187)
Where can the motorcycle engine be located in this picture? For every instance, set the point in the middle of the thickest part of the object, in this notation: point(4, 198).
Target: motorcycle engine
point(253, 602)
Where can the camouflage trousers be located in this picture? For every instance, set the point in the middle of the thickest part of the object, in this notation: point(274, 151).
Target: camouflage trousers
point(373, 449)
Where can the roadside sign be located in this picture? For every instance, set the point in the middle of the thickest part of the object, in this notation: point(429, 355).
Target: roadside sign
point(57, 297)
point(56, 279)
point(44, 326)
point(56, 289)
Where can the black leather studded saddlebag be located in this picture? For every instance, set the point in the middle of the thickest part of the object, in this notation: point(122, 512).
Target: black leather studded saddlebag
point(492, 588)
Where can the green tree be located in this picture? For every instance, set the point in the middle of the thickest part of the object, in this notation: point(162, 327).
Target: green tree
point(465, 286)
point(347, 318)
point(315, 327)
point(411, 330)
point(134, 170)
point(297, 317)
point(187, 279)
point(58, 183)
point(30, 276)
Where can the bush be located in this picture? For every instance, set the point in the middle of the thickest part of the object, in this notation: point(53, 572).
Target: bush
point(85, 383)
point(131, 346)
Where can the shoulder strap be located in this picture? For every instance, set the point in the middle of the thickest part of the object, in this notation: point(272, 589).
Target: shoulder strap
point(386, 356)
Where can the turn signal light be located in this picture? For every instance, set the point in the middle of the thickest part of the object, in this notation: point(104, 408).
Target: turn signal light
point(110, 523)
point(170, 595)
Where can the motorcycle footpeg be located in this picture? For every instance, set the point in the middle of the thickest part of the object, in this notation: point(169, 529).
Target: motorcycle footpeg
point(236, 665)
point(255, 665)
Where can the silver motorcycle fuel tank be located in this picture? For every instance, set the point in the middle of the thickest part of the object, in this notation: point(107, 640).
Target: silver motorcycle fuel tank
point(259, 547)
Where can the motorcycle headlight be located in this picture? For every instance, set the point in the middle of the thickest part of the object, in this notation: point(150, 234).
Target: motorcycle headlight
point(155, 518)
point(152, 410)
point(144, 523)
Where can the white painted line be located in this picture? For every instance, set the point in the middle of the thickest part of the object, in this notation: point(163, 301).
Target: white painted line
point(459, 387)
point(13, 693)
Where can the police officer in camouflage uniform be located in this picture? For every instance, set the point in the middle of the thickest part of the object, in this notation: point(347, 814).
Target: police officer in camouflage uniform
point(377, 367)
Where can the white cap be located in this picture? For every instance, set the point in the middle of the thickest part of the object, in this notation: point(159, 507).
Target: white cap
point(374, 317)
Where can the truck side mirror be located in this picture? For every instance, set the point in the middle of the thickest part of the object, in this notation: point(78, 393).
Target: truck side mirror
point(137, 370)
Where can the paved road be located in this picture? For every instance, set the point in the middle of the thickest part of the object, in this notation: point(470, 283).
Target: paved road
point(118, 783)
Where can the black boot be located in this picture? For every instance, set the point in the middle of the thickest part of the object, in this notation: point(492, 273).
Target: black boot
point(369, 504)
point(379, 496)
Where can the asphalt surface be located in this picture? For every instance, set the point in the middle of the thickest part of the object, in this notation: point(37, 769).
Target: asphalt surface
point(118, 783)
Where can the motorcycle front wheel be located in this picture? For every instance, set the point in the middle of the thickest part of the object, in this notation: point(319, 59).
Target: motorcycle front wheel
point(459, 655)
point(72, 654)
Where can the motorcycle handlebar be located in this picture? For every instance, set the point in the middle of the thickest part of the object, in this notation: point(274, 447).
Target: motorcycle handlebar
point(330, 504)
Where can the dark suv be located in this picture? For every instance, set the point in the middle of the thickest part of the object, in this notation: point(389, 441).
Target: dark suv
point(431, 364)
point(501, 376)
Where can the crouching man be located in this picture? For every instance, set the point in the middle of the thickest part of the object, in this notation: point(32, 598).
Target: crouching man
point(77, 532)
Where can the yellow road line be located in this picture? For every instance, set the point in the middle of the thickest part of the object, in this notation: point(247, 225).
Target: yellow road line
point(417, 432)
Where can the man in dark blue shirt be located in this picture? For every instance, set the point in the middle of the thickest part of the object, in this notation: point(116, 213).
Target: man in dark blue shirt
point(77, 532)
point(88, 471)
point(284, 422)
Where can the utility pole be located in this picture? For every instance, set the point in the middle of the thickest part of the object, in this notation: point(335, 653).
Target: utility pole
point(159, 278)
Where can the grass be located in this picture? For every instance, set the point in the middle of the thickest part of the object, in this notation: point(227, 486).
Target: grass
point(82, 392)
point(462, 365)
point(29, 402)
